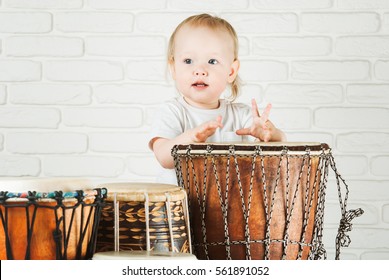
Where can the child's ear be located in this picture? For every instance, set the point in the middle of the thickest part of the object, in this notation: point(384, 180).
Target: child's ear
point(234, 70)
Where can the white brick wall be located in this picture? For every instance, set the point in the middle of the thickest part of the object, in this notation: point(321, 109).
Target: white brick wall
point(80, 81)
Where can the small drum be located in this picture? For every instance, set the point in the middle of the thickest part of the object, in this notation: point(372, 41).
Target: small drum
point(144, 216)
point(254, 201)
point(48, 219)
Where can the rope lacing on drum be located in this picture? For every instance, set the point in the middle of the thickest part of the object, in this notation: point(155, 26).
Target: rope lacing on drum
point(223, 205)
point(342, 239)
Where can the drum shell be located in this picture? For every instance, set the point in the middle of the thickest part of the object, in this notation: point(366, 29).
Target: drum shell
point(267, 200)
point(131, 199)
point(43, 246)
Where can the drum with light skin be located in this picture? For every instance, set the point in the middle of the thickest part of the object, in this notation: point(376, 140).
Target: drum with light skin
point(143, 217)
point(254, 201)
point(49, 218)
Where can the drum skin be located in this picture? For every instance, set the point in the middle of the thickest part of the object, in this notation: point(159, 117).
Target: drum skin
point(132, 218)
point(244, 206)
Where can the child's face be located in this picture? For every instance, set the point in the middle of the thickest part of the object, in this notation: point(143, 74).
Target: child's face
point(203, 65)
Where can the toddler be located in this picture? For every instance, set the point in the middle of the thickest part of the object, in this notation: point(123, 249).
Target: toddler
point(203, 61)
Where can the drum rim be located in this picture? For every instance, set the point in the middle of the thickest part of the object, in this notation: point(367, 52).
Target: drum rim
point(156, 192)
point(268, 148)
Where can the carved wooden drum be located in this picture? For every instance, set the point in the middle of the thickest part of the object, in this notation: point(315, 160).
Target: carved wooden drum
point(254, 201)
point(144, 216)
point(48, 219)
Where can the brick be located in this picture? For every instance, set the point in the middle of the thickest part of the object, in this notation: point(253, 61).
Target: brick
point(25, 22)
point(352, 165)
point(82, 166)
point(244, 46)
point(19, 166)
point(369, 191)
point(363, 4)
point(163, 23)
point(248, 92)
point(103, 117)
point(361, 118)
point(134, 46)
point(133, 93)
point(297, 118)
point(94, 22)
point(370, 216)
point(50, 94)
point(46, 143)
point(262, 70)
point(292, 5)
point(304, 93)
point(119, 142)
point(363, 142)
point(379, 165)
point(28, 46)
point(143, 165)
point(381, 70)
point(262, 23)
point(1, 142)
point(211, 5)
point(373, 238)
point(340, 22)
point(43, 4)
point(330, 70)
point(20, 71)
point(385, 213)
point(368, 46)
point(385, 23)
point(127, 5)
point(83, 70)
point(309, 136)
point(3, 94)
point(29, 117)
point(368, 93)
point(147, 70)
point(291, 46)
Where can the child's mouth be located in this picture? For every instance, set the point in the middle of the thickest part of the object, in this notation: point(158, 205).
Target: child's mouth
point(199, 85)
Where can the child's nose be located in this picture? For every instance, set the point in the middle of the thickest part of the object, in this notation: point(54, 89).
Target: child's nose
point(200, 72)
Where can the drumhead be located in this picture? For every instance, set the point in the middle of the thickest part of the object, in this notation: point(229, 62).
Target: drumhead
point(133, 191)
point(142, 255)
point(265, 148)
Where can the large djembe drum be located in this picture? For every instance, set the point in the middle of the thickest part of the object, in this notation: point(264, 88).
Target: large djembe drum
point(48, 219)
point(256, 201)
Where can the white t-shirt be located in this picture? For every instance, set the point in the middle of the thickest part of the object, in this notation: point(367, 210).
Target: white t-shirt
point(176, 116)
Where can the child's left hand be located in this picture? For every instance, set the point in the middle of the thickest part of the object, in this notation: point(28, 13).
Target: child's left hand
point(261, 128)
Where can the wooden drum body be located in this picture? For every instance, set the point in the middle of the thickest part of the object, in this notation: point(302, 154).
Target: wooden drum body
point(263, 201)
point(49, 220)
point(144, 216)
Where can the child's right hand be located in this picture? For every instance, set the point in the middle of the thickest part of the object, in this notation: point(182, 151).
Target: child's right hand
point(201, 133)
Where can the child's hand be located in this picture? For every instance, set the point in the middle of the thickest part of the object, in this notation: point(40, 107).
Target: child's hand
point(261, 127)
point(202, 132)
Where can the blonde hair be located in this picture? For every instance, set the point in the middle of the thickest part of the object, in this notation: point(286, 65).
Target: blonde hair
point(214, 23)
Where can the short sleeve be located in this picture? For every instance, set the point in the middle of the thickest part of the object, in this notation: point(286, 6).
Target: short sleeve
point(167, 123)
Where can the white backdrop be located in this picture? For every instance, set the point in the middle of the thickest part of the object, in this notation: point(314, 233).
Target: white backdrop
point(80, 80)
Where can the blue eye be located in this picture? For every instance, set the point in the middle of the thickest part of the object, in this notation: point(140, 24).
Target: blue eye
point(213, 61)
point(188, 61)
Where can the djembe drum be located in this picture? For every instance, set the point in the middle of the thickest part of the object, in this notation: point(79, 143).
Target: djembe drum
point(48, 219)
point(255, 201)
point(144, 216)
